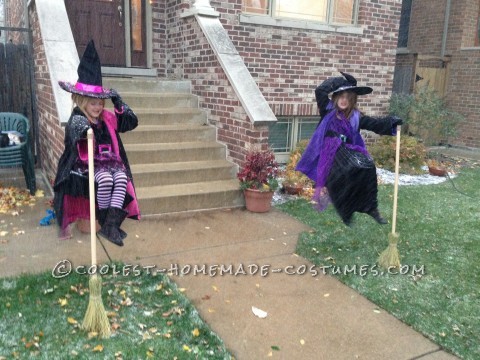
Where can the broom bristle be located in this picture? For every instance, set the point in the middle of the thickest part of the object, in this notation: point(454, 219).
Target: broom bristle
point(96, 318)
point(389, 257)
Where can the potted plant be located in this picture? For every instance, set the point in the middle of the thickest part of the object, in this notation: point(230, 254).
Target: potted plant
point(258, 179)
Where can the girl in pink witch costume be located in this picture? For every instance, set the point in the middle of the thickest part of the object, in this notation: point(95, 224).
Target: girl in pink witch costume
point(115, 193)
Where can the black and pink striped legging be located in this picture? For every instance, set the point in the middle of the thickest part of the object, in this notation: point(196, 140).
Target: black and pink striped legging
point(112, 188)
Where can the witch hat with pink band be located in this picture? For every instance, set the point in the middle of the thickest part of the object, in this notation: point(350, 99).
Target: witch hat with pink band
point(89, 71)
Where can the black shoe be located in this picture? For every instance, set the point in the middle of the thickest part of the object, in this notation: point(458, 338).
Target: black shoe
point(378, 218)
point(111, 228)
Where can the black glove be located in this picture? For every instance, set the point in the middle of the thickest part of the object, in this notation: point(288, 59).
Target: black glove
point(116, 99)
point(351, 80)
point(396, 121)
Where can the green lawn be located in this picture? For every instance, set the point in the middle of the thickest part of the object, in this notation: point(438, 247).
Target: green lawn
point(40, 318)
point(438, 293)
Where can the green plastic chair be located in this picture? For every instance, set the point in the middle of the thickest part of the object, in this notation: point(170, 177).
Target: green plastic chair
point(16, 155)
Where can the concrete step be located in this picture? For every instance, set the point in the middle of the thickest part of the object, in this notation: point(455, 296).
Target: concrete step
point(174, 152)
point(177, 164)
point(189, 197)
point(169, 134)
point(159, 101)
point(146, 85)
point(182, 172)
point(170, 116)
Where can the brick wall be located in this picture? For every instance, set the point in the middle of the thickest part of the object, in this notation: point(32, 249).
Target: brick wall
point(159, 30)
point(426, 27)
point(464, 95)
point(51, 133)
point(286, 63)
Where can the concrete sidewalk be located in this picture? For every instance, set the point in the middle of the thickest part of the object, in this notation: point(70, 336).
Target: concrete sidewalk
point(307, 317)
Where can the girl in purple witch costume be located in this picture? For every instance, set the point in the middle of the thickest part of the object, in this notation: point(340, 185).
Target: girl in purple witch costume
point(115, 193)
point(336, 158)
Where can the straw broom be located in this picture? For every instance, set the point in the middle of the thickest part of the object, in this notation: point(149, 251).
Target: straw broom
point(390, 257)
point(96, 319)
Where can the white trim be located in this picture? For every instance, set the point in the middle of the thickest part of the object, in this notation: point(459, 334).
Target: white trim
point(128, 71)
point(299, 24)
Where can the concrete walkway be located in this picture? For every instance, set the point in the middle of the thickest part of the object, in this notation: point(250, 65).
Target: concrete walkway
point(307, 317)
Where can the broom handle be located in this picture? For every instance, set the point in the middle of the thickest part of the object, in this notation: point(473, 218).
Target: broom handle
point(91, 186)
point(395, 187)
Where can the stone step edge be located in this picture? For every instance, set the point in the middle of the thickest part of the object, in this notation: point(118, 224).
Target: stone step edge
point(188, 189)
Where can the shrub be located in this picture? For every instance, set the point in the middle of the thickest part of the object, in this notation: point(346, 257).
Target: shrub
point(412, 154)
point(426, 115)
point(291, 175)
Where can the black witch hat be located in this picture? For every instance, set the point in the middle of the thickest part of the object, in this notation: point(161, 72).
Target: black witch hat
point(352, 86)
point(89, 71)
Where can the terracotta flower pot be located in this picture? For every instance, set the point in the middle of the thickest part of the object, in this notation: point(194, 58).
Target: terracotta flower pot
point(437, 170)
point(293, 189)
point(258, 201)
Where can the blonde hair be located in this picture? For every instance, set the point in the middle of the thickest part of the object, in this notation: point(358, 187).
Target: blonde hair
point(81, 101)
point(352, 101)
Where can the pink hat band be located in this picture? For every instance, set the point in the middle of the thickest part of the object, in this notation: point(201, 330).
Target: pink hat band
point(89, 88)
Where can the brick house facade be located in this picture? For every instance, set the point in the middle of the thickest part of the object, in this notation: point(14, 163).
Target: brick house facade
point(448, 31)
point(286, 62)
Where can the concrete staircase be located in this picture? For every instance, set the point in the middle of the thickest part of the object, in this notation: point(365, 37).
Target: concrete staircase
point(177, 164)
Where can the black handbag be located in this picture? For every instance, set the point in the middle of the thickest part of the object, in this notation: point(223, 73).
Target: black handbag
point(348, 158)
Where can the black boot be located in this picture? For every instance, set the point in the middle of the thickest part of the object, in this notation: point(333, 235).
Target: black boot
point(378, 218)
point(111, 228)
point(102, 215)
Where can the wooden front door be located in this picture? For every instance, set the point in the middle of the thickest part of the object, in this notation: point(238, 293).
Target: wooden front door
point(104, 22)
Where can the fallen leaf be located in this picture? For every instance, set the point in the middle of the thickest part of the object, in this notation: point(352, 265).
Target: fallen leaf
point(211, 310)
point(98, 348)
point(302, 342)
point(186, 348)
point(376, 311)
point(206, 297)
point(214, 288)
point(195, 332)
point(72, 321)
point(63, 302)
point(259, 313)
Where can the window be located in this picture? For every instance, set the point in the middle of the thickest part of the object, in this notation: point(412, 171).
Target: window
point(287, 132)
point(324, 11)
